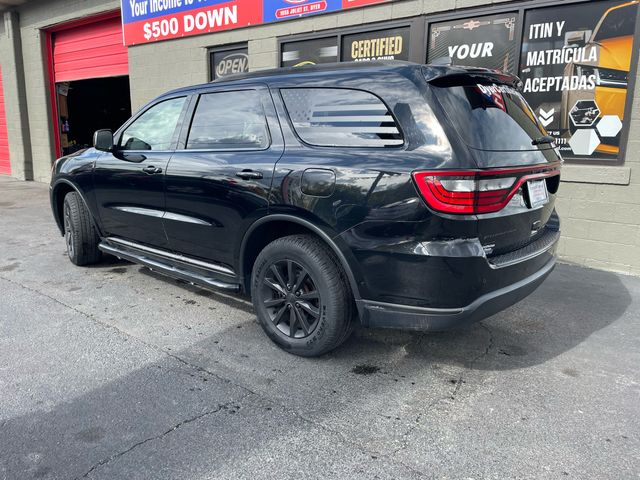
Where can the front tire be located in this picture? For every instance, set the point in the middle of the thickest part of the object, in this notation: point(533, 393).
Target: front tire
point(301, 296)
point(80, 234)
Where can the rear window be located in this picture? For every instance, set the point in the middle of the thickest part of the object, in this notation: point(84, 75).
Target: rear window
point(619, 22)
point(491, 116)
point(333, 117)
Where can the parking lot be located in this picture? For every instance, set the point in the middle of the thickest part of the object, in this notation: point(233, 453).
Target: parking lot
point(115, 372)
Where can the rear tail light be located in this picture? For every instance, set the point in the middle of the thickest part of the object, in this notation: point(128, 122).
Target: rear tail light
point(469, 192)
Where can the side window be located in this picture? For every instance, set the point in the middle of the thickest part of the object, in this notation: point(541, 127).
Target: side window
point(229, 120)
point(154, 129)
point(340, 118)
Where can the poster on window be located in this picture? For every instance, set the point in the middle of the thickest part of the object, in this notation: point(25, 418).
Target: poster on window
point(229, 61)
point(309, 52)
point(390, 44)
point(575, 66)
point(487, 41)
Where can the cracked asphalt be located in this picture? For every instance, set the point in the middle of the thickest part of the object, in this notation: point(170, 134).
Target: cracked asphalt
point(114, 372)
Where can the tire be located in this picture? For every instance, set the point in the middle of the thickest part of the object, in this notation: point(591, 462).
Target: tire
point(322, 306)
point(80, 234)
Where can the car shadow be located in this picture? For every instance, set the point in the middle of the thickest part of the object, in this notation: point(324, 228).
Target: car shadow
point(571, 305)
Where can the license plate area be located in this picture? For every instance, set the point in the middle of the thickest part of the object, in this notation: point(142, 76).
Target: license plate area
point(538, 194)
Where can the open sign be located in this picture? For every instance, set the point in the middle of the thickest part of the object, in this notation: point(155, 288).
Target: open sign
point(228, 62)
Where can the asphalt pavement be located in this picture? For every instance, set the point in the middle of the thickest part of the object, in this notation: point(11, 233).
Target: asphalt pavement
point(114, 372)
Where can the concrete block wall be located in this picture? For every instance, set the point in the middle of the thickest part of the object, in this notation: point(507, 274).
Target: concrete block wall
point(599, 205)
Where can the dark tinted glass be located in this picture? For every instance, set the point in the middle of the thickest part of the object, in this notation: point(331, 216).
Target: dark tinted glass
point(341, 117)
point(154, 129)
point(229, 120)
point(491, 117)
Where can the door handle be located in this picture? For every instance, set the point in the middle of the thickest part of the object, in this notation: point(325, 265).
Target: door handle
point(249, 175)
point(151, 170)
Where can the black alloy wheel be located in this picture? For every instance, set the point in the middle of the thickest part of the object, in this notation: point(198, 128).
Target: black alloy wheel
point(69, 234)
point(80, 236)
point(301, 295)
point(291, 299)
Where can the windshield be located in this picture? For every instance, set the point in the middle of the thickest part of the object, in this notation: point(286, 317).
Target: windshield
point(491, 116)
point(619, 22)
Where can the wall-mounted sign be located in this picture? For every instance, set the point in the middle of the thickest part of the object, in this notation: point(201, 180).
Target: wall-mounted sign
point(145, 21)
point(390, 44)
point(275, 10)
point(575, 66)
point(228, 61)
point(309, 52)
point(488, 41)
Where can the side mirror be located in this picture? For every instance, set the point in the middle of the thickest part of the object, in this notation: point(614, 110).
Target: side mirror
point(577, 38)
point(103, 140)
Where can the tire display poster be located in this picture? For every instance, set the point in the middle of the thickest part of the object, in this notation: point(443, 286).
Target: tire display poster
point(390, 44)
point(145, 21)
point(487, 41)
point(309, 52)
point(574, 66)
point(228, 62)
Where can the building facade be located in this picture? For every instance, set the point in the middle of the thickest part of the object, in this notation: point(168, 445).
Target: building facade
point(68, 67)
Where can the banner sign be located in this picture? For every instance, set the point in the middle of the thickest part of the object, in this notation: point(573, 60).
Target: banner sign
point(575, 66)
point(145, 21)
point(488, 41)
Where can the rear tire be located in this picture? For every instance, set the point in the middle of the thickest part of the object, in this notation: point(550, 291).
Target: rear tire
point(80, 234)
point(301, 296)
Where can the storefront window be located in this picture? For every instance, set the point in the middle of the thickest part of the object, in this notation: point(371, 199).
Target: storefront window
point(309, 52)
point(575, 66)
point(488, 41)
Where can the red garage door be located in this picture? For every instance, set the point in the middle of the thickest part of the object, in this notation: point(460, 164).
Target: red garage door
point(5, 165)
point(91, 50)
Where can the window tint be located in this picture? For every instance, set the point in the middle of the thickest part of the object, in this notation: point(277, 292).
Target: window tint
point(229, 120)
point(154, 129)
point(491, 116)
point(340, 118)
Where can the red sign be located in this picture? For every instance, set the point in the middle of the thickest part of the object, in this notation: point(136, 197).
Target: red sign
point(213, 18)
point(145, 21)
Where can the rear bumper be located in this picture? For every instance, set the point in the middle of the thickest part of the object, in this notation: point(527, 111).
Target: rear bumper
point(389, 315)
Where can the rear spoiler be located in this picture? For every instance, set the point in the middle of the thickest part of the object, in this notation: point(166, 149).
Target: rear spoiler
point(449, 75)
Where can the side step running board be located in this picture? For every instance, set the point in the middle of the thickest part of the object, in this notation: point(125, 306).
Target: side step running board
point(167, 268)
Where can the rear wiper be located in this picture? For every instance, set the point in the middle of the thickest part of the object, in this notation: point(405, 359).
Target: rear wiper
point(541, 140)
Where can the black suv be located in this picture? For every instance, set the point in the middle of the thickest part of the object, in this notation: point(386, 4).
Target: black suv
point(403, 195)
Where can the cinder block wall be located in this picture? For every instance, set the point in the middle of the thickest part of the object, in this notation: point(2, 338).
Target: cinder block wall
point(600, 206)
